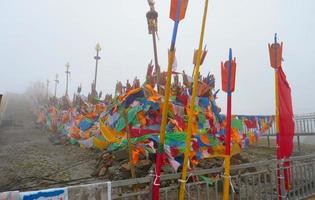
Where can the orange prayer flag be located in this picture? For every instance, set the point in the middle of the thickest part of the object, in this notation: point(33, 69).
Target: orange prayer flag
point(224, 75)
point(275, 53)
point(183, 8)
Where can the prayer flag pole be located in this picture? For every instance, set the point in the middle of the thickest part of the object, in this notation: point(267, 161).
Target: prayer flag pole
point(275, 53)
point(192, 105)
point(228, 70)
point(179, 6)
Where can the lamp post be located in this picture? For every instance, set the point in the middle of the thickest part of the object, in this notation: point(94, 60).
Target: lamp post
point(152, 16)
point(56, 83)
point(97, 57)
point(67, 77)
point(47, 87)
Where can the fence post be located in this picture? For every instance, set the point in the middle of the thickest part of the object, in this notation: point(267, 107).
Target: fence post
point(109, 190)
point(299, 145)
point(282, 191)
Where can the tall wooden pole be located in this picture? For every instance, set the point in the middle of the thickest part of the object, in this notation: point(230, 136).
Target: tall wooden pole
point(192, 105)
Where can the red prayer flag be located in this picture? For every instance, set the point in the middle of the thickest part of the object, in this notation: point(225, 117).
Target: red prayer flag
point(250, 123)
point(286, 123)
point(183, 8)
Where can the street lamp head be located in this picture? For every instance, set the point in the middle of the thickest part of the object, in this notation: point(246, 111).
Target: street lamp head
point(98, 47)
point(152, 16)
point(67, 65)
point(151, 2)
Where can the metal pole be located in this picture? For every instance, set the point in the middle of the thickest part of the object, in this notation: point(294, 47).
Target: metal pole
point(152, 16)
point(97, 48)
point(67, 77)
point(192, 106)
point(96, 65)
point(56, 83)
point(282, 194)
point(156, 62)
point(47, 83)
point(299, 145)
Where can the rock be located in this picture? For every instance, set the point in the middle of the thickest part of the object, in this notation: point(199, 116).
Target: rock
point(237, 156)
point(95, 172)
point(210, 163)
point(125, 167)
point(146, 164)
point(241, 158)
point(235, 161)
point(124, 175)
point(245, 159)
point(103, 171)
point(251, 169)
point(167, 169)
point(106, 156)
point(120, 155)
point(143, 167)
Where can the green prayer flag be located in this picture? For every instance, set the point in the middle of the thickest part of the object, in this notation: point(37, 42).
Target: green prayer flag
point(208, 180)
point(238, 124)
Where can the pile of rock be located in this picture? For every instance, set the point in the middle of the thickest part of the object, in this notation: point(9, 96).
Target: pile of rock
point(115, 166)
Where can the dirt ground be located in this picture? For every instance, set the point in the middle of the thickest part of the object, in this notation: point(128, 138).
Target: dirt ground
point(33, 158)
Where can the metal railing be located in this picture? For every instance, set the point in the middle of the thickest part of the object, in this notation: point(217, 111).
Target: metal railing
point(259, 180)
point(304, 126)
point(248, 181)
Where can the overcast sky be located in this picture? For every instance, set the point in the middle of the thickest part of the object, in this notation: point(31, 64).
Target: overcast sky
point(38, 37)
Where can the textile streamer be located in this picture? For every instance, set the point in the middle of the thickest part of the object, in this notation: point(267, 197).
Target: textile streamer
point(285, 127)
point(180, 14)
point(192, 106)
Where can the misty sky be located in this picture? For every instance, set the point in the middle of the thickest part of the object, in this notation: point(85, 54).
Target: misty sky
point(37, 38)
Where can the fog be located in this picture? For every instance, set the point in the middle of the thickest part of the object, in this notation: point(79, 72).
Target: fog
point(38, 38)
